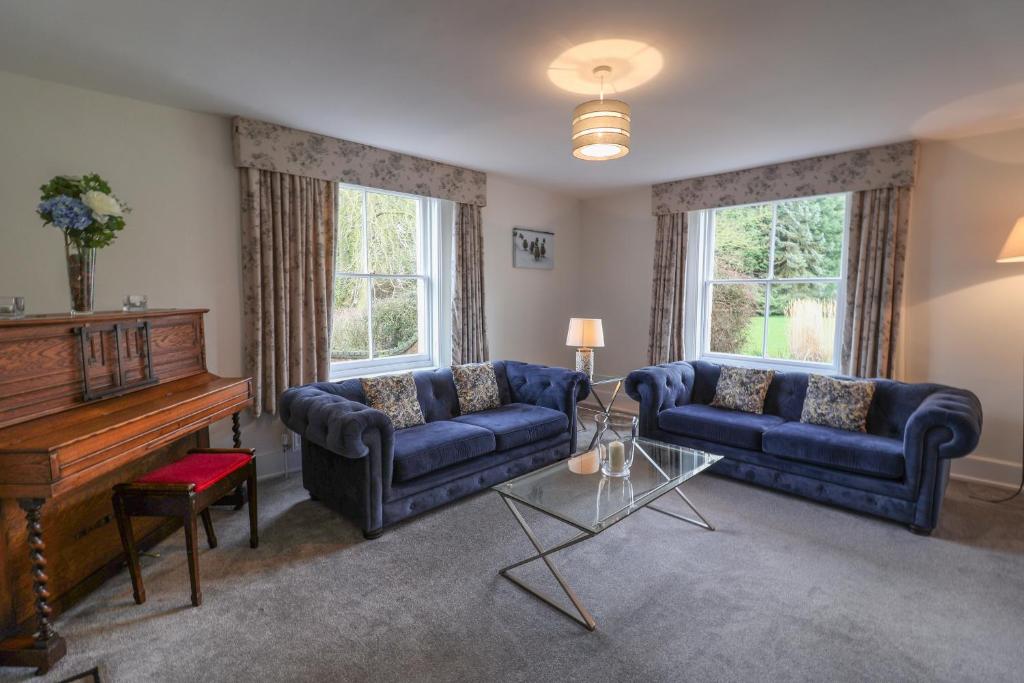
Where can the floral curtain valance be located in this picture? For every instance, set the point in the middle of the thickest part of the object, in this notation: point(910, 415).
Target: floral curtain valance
point(862, 169)
point(270, 147)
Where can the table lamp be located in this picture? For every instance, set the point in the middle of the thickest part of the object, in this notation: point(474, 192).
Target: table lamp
point(585, 334)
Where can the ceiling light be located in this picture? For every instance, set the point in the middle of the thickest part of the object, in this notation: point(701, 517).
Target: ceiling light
point(601, 128)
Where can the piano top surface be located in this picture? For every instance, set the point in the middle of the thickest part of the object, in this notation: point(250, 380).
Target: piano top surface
point(97, 317)
point(51, 432)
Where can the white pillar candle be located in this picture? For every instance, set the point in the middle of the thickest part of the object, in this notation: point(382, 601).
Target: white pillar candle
point(616, 456)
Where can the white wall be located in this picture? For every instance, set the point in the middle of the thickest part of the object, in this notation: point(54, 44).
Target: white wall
point(963, 322)
point(528, 310)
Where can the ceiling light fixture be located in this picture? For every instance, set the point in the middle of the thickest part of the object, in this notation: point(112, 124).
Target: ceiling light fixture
point(601, 128)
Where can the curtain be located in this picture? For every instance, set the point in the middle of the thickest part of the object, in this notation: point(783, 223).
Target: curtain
point(469, 328)
point(288, 237)
point(877, 252)
point(666, 333)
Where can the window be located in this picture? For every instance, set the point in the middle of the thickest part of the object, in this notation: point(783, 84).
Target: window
point(772, 282)
point(387, 289)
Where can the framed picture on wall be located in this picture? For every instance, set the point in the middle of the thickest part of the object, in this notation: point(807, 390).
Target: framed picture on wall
point(533, 248)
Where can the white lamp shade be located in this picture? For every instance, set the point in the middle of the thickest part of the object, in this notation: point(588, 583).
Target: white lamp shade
point(601, 130)
point(585, 333)
point(1013, 250)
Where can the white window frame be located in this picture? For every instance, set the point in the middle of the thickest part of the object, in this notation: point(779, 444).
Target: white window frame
point(700, 266)
point(433, 255)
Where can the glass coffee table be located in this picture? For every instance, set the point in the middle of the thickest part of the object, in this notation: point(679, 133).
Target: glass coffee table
point(575, 492)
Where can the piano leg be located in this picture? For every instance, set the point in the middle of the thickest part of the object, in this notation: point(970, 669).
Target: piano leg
point(45, 647)
point(236, 431)
point(236, 499)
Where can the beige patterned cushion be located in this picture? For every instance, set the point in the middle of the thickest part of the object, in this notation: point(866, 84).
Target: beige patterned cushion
point(395, 396)
point(742, 389)
point(476, 386)
point(838, 403)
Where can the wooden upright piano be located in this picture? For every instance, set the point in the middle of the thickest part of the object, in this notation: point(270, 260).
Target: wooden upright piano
point(87, 402)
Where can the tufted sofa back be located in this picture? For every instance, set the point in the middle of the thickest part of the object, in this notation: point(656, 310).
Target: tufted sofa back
point(891, 406)
point(435, 390)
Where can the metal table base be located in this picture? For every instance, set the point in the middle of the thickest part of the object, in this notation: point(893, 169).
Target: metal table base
point(582, 615)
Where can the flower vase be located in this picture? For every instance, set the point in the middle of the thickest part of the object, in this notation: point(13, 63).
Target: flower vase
point(81, 262)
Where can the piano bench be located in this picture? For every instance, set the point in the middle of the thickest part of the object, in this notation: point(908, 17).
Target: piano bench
point(185, 489)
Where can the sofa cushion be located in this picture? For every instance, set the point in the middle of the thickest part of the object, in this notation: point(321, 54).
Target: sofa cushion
point(395, 396)
point(429, 447)
point(839, 403)
point(877, 456)
point(477, 387)
point(742, 389)
point(730, 427)
point(517, 424)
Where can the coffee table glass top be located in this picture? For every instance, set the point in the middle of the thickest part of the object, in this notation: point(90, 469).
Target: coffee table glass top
point(606, 379)
point(576, 492)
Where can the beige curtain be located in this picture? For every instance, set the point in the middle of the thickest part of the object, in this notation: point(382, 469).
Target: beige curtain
point(469, 328)
point(666, 333)
point(288, 236)
point(877, 252)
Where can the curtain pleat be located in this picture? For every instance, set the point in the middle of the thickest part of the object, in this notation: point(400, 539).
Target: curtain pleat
point(469, 326)
point(667, 290)
point(288, 236)
point(877, 250)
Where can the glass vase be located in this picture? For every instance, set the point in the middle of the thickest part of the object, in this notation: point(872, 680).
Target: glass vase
point(81, 261)
point(615, 446)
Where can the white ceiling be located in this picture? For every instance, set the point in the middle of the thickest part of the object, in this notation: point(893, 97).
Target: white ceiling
point(745, 82)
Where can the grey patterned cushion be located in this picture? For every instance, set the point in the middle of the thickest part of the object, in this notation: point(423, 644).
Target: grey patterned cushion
point(395, 396)
point(838, 403)
point(742, 389)
point(476, 386)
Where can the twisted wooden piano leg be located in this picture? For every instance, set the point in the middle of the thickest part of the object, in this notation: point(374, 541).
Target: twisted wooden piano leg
point(45, 647)
point(236, 431)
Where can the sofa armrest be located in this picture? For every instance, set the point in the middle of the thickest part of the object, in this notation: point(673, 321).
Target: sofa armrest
point(550, 387)
point(948, 422)
point(657, 388)
point(332, 421)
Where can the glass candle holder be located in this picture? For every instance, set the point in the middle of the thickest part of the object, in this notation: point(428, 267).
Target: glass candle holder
point(12, 307)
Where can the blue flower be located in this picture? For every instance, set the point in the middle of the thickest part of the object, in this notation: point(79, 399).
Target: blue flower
point(67, 213)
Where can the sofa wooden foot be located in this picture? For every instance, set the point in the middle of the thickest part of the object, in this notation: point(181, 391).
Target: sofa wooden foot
point(372, 534)
point(920, 530)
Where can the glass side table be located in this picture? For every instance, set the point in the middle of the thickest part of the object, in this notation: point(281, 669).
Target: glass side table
point(603, 380)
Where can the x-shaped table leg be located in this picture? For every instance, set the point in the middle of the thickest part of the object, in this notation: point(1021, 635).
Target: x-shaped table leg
point(584, 618)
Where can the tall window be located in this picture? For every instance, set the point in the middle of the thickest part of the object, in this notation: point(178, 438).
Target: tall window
point(386, 290)
point(772, 282)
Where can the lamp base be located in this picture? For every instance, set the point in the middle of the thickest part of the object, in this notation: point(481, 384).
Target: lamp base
point(585, 362)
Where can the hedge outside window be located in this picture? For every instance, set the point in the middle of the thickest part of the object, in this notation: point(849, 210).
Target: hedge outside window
point(772, 282)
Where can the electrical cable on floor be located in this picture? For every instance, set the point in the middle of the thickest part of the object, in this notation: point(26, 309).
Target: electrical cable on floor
point(1020, 488)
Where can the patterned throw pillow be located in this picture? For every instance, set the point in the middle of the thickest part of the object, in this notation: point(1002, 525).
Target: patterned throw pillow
point(839, 403)
point(477, 387)
point(742, 389)
point(395, 396)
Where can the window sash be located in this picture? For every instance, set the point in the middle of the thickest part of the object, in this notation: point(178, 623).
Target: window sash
point(706, 227)
point(427, 294)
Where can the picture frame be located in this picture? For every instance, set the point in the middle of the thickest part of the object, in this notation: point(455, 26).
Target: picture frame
point(533, 249)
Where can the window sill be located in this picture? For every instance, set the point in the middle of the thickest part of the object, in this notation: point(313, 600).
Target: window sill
point(770, 364)
point(339, 372)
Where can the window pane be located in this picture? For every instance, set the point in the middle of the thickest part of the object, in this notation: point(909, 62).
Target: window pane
point(809, 237)
point(742, 236)
point(737, 319)
point(350, 339)
point(392, 225)
point(350, 231)
point(802, 322)
point(396, 317)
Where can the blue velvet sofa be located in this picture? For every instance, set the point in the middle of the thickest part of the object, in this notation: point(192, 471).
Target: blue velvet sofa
point(354, 460)
point(898, 469)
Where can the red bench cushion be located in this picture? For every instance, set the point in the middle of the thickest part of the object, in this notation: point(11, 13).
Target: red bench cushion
point(202, 469)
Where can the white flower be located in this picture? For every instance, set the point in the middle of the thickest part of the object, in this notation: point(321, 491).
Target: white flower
point(102, 204)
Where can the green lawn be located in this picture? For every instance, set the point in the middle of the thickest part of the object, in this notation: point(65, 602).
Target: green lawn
point(778, 341)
